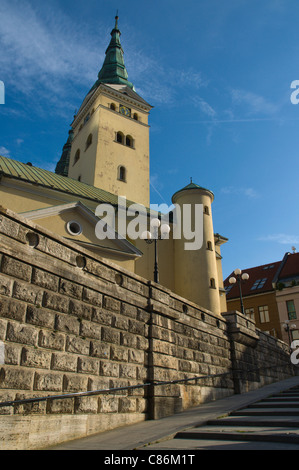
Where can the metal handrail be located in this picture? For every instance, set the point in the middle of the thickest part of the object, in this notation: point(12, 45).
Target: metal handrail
point(129, 387)
point(106, 391)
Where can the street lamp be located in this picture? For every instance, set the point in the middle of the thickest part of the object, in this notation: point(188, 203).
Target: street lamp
point(153, 237)
point(239, 278)
point(288, 328)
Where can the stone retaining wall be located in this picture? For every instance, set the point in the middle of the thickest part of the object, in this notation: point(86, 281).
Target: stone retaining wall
point(73, 322)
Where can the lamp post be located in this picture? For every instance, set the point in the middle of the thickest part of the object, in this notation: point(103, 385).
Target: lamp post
point(288, 328)
point(153, 237)
point(239, 278)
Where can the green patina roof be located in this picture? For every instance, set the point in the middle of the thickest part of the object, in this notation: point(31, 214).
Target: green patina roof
point(45, 178)
point(113, 70)
point(192, 186)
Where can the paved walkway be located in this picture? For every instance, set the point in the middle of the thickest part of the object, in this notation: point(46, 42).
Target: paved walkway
point(182, 430)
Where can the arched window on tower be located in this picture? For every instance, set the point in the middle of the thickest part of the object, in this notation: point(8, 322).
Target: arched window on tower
point(212, 283)
point(88, 141)
point(112, 106)
point(77, 157)
point(122, 173)
point(129, 141)
point(120, 137)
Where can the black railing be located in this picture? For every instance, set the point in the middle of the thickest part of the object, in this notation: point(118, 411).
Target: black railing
point(108, 390)
point(235, 374)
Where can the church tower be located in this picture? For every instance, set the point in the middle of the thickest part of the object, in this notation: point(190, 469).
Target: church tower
point(110, 140)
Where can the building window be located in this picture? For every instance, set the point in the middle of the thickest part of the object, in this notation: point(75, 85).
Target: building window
point(259, 283)
point(120, 137)
point(264, 314)
point(122, 173)
point(74, 228)
point(129, 141)
point(212, 283)
point(89, 141)
point(209, 246)
point(77, 157)
point(291, 310)
point(206, 210)
point(113, 107)
point(135, 116)
point(249, 312)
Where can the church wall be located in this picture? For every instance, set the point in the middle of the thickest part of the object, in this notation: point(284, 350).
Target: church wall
point(72, 322)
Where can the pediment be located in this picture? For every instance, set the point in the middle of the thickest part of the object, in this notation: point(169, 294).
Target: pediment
point(77, 222)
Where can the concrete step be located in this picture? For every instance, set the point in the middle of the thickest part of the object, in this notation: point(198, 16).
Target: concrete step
point(275, 404)
point(257, 421)
point(234, 433)
point(266, 412)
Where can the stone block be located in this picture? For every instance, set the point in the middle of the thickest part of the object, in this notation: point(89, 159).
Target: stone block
point(75, 383)
point(27, 292)
point(51, 340)
point(108, 404)
point(12, 309)
point(3, 325)
point(12, 354)
point(48, 381)
point(77, 345)
point(64, 362)
point(88, 365)
point(4, 397)
point(109, 369)
point(127, 371)
point(61, 406)
point(111, 304)
point(121, 323)
point(71, 289)
point(86, 405)
point(19, 333)
point(102, 316)
point(35, 358)
point(40, 317)
point(99, 349)
point(5, 285)
point(16, 378)
point(90, 330)
point(92, 297)
point(44, 279)
point(67, 324)
point(129, 310)
point(56, 302)
point(16, 268)
point(127, 405)
point(119, 354)
point(136, 327)
point(136, 356)
point(128, 339)
point(109, 335)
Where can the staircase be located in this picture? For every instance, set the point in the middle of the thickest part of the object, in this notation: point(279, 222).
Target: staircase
point(272, 423)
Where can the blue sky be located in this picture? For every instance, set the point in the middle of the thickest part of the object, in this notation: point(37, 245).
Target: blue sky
point(218, 74)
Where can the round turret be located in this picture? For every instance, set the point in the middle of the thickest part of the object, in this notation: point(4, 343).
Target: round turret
point(194, 247)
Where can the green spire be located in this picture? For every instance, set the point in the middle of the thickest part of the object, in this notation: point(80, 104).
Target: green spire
point(114, 70)
point(62, 167)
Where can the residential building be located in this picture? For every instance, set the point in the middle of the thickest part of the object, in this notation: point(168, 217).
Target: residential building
point(270, 296)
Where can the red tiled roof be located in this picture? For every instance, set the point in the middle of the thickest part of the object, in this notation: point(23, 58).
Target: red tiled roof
point(291, 267)
point(264, 274)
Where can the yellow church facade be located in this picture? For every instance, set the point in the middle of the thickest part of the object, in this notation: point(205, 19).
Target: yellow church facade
point(106, 162)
